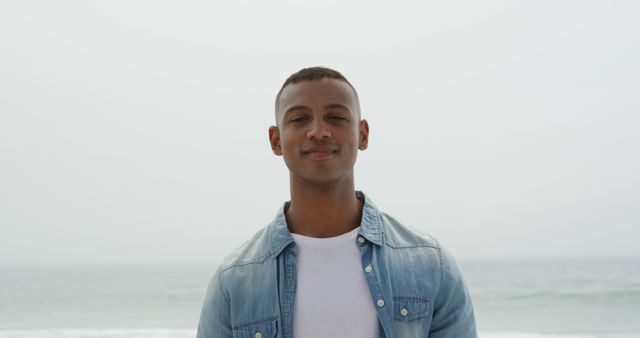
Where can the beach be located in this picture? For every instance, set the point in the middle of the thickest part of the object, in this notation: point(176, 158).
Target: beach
point(526, 298)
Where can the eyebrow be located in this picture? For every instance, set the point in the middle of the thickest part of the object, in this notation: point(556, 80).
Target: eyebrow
point(337, 106)
point(299, 107)
point(329, 106)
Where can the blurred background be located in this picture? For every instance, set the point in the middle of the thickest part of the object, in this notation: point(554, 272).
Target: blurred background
point(134, 152)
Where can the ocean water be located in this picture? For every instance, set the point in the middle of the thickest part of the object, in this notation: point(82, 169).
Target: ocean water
point(556, 298)
point(570, 298)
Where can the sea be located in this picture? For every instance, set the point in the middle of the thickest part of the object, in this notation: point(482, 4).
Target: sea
point(513, 298)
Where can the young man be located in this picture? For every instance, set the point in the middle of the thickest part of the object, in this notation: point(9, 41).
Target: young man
point(331, 264)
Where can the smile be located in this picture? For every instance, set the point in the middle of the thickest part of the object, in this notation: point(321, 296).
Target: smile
point(319, 153)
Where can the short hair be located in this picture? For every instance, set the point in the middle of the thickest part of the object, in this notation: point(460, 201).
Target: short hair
point(315, 73)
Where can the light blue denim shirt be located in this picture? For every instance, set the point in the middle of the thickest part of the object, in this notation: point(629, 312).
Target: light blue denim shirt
point(416, 285)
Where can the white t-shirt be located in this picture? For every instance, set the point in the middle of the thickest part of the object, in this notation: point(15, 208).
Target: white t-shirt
point(332, 297)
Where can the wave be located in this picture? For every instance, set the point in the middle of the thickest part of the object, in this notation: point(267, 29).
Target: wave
point(537, 335)
point(191, 333)
point(99, 333)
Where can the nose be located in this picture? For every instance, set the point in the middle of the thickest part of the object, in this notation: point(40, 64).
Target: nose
point(318, 130)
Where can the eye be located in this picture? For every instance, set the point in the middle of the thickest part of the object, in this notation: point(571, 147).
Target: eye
point(299, 119)
point(337, 118)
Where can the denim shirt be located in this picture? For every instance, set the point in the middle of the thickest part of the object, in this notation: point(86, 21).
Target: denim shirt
point(415, 284)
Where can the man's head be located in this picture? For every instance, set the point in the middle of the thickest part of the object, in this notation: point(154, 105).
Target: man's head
point(318, 128)
point(314, 73)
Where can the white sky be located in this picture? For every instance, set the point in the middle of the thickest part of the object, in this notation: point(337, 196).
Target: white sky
point(137, 130)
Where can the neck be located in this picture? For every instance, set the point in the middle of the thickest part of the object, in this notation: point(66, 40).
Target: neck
point(323, 210)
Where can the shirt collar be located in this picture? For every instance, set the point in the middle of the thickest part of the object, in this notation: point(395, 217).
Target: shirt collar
point(370, 225)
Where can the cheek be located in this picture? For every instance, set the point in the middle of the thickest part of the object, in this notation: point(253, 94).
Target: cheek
point(354, 139)
point(288, 144)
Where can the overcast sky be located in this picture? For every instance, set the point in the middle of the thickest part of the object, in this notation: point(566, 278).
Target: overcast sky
point(137, 130)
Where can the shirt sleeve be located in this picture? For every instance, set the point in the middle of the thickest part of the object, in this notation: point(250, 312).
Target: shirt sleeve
point(215, 317)
point(453, 311)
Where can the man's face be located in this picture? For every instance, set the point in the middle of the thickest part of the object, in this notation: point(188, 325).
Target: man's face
point(319, 130)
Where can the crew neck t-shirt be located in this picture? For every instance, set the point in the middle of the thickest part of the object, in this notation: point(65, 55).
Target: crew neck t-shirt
point(332, 297)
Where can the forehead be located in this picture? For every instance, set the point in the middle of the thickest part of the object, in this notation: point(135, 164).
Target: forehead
point(323, 91)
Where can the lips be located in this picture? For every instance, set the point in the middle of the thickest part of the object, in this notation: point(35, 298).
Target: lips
point(319, 151)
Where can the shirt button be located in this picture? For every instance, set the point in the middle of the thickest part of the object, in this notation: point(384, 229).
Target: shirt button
point(360, 239)
point(380, 302)
point(368, 268)
point(404, 311)
point(258, 334)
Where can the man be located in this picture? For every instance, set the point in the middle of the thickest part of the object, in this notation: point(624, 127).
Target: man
point(331, 264)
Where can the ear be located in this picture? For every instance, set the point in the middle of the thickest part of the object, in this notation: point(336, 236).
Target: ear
point(274, 139)
point(364, 135)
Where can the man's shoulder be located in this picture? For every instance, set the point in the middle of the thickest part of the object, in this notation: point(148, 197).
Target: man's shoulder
point(256, 250)
point(399, 235)
point(259, 248)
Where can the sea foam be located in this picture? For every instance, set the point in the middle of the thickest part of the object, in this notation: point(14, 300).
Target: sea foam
point(191, 333)
point(99, 333)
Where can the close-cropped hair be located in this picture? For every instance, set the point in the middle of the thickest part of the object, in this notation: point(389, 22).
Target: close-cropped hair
point(310, 74)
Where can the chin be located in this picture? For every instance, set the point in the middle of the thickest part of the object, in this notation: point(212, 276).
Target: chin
point(325, 178)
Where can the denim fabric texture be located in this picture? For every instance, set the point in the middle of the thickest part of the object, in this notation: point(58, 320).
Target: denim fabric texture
point(415, 285)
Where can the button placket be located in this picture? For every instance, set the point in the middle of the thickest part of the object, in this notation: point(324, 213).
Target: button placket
point(375, 290)
point(289, 293)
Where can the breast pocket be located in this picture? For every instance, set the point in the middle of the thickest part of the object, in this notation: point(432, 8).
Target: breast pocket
point(266, 328)
point(412, 316)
